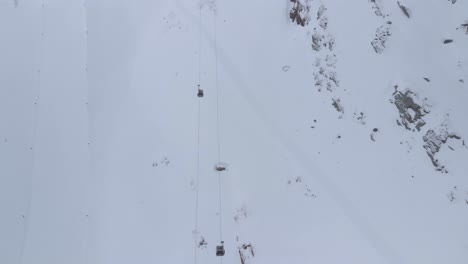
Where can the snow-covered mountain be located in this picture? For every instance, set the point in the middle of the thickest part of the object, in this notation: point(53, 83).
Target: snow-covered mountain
point(341, 125)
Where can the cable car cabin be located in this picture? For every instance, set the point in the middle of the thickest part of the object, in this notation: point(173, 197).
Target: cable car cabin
point(200, 92)
point(220, 250)
point(220, 166)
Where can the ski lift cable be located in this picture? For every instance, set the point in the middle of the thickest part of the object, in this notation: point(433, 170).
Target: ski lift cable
point(197, 178)
point(217, 83)
point(26, 216)
point(217, 117)
point(86, 185)
point(199, 40)
point(198, 134)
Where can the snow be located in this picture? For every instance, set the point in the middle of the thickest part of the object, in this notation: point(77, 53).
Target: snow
point(98, 132)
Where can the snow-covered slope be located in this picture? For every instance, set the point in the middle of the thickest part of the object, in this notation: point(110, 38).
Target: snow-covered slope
point(341, 124)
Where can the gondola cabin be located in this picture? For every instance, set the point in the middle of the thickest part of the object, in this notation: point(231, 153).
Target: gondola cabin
point(200, 92)
point(220, 250)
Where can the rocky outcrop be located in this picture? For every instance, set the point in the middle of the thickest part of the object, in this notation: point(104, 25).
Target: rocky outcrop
point(300, 12)
point(433, 141)
point(410, 109)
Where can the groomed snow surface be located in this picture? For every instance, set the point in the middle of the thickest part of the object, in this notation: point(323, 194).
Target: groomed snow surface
point(342, 128)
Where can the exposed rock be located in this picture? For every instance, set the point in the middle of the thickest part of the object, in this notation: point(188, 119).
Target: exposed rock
point(323, 44)
point(325, 63)
point(404, 9)
point(383, 32)
point(317, 41)
point(164, 161)
point(325, 75)
point(464, 27)
point(360, 117)
point(315, 122)
point(246, 253)
point(298, 181)
point(323, 20)
point(240, 214)
point(320, 41)
point(202, 243)
point(381, 36)
point(337, 104)
point(374, 133)
point(433, 141)
point(451, 196)
point(300, 12)
point(411, 112)
point(309, 192)
point(378, 8)
point(456, 194)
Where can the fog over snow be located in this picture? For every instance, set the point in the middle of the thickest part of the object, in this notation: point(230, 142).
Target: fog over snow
point(329, 131)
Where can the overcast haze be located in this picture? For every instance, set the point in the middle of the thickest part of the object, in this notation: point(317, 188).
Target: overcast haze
point(342, 127)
